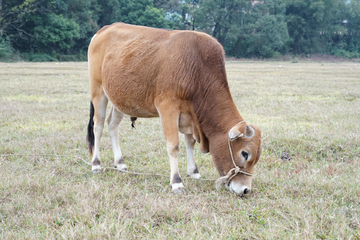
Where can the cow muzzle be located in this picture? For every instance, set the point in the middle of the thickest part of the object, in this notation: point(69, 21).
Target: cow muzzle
point(239, 189)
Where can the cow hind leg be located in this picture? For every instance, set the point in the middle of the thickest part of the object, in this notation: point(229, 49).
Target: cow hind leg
point(191, 165)
point(114, 120)
point(99, 104)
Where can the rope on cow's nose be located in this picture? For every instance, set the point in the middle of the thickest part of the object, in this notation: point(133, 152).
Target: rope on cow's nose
point(222, 181)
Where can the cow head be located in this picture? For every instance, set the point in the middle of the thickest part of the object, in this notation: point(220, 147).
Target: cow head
point(244, 142)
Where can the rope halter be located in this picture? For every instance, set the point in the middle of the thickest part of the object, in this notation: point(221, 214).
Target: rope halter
point(225, 180)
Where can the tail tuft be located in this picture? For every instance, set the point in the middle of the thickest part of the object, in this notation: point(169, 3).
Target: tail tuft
point(133, 119)
point(90, 130)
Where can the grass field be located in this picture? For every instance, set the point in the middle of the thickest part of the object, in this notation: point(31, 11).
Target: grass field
point(309, 110)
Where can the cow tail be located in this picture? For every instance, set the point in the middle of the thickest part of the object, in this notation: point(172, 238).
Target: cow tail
point(133, 119)
point(90, 130)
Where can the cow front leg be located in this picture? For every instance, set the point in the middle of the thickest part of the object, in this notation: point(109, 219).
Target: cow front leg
point(169, 116)
point(175, 179)
point(114, 120)
point(192, 169)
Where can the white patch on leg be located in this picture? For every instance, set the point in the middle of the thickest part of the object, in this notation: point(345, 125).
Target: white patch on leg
point(177, 186)
point(116, 150)
point(121, 167)
point(190, 142)
point(95, 167)
point(114, 120)
point(195, 175)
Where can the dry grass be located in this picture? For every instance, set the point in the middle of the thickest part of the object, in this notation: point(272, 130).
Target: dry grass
point(309, 110)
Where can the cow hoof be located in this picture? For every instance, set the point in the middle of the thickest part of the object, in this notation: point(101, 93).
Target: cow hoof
point(121, 167)
point(178, 191)
point(96, 171)
point(195, 175)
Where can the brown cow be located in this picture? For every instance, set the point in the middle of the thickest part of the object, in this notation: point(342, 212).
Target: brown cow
point(179, 76)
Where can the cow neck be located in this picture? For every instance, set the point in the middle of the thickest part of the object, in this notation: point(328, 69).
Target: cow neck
point(220, 113)
point(220, 117)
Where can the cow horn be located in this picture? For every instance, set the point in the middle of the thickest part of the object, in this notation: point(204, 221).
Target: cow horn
point(234, 134)
point(249, 132)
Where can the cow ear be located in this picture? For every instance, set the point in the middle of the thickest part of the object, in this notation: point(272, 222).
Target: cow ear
point(234, 134)
point(249, 132)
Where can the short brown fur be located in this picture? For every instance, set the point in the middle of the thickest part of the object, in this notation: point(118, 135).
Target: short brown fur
point(144, 72)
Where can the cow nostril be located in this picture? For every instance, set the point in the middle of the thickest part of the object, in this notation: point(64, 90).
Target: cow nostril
point(246, 191)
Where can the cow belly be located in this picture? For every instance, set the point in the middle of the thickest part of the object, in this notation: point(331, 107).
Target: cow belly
point(133, 105)
point(135, 110)
point(141, 113)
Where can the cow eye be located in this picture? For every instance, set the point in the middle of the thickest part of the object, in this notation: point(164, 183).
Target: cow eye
point(245, 155)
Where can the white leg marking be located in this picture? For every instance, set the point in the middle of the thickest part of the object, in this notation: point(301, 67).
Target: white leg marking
point(176, 186)
point(114, 120)
point(99, 118)
point(121, 167)
point(195, 175)
point(175, 179)
point(192, 168)
point(173, 152)
point(95, 167)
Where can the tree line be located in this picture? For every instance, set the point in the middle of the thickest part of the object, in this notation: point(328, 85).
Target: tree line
point(51, 30)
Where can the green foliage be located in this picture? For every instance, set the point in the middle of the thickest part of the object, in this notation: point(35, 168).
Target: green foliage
point(54, 29)
point(153, 17)
point(313, 24)
point(139, 12)
point(245, 30)
point(174, 20)
point(86, 14)
point(7, 53)
point(38, 57)
point(6, 50)
point(344, 53)
point(188, 12)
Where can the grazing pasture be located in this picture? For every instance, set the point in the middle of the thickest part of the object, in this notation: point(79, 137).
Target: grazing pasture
point(308, 112)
